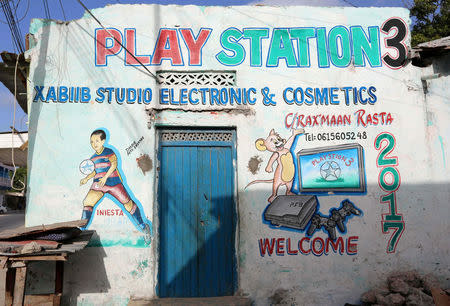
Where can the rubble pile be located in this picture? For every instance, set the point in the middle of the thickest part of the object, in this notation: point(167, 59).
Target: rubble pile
point(405, 288)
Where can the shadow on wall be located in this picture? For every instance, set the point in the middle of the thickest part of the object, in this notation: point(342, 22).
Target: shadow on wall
point(198, 268)
point(197, 248)
point(85, 273)
point(198, 251)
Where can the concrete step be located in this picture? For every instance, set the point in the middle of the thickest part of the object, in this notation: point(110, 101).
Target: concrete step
point(220, 300)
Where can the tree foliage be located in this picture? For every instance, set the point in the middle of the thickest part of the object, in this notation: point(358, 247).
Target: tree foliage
point(431, 20)
point(20, 179)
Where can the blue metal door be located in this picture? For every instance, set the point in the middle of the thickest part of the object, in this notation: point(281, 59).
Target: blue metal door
point(197, 213)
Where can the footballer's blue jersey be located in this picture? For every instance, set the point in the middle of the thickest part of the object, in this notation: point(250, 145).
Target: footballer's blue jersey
point(102, 164)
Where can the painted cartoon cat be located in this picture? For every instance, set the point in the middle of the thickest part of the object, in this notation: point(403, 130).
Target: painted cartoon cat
point(284, 172)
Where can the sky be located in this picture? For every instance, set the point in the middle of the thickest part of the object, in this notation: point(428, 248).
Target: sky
point(28, 9)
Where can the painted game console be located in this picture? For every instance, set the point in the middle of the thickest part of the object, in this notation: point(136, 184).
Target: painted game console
point(292, 211)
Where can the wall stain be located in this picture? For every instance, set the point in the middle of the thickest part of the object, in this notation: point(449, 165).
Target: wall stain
point(281, 297)
point(145, 163)
point(139, 272)
point(254, 164)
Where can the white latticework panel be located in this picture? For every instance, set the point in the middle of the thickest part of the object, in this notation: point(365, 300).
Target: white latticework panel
point(210, 78)
point(196, 136)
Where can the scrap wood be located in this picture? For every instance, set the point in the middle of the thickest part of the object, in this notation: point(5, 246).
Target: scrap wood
point(30, 248)
point(440, 297)
point(40, 229)
point(45, 244)
point(62, 257)
point(3, 261)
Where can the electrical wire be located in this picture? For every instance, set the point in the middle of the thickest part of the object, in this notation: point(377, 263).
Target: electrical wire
point(26, 12)
point(46, 9)
point(15, 10)
point(348, 2)
point(13, 26)
point(384, 74)
point(62, 9)
point(13, 129)
point(125, 48)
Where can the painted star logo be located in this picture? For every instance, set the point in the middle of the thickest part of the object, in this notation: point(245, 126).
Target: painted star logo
point(330, 171)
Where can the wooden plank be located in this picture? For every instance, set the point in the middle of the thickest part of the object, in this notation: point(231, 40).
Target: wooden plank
point(59, 275)
point(10, 281)
point(41, 228)
point(71, 246)
point(57, 299)
point(40, 299)
point(3, 260)
point(440, 297)
point(24, 146)
point(46, 244)
point(3, 273)
point(62, 257)
point(19, 286)
point(16, 264)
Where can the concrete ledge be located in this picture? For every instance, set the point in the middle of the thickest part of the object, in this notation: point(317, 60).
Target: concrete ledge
point(222, 300)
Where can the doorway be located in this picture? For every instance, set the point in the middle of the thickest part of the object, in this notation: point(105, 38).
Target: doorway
point(197, 212)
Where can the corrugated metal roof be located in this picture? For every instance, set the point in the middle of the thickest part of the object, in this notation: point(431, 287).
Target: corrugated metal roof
point(441, 43)
point(422, 55)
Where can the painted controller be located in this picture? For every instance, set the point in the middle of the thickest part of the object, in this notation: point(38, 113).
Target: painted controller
point(336, 218)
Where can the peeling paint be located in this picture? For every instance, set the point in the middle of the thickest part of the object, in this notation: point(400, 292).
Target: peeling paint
point(139, 271)
point(233, 111)
point(442, 149)
point(125, 242)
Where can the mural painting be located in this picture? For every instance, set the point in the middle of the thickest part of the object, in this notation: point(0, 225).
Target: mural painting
point(323, 174)
point(314, 173)
point(103, 168)
point(281, 153)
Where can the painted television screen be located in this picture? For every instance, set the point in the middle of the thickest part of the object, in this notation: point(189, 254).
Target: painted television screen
point(335, 168)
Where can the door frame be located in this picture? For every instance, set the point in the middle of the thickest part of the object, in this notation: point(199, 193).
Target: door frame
point(156, 206)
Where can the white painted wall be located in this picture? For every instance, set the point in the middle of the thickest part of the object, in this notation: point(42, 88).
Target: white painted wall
point(122, 267)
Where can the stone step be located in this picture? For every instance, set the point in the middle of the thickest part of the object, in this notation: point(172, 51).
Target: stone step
point(220, 300)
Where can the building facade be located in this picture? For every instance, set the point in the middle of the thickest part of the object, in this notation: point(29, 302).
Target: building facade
point(257, 151)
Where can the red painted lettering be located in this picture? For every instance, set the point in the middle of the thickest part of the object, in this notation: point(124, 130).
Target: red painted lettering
point(195, 45)
point(289, 250)
point(266, 246)
point(300, 120)
point(335, 245)
point(352, 248)
point(315, 122)
point(280, 246)
point(167, 47)
point(333, 120)
point(349, 162)
point(322, 246)
point(359, 117)
point(389, 118)
point(130, 39)
point(288, 125)
point(347, 119)
point(300, 246)
point(106, 44)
